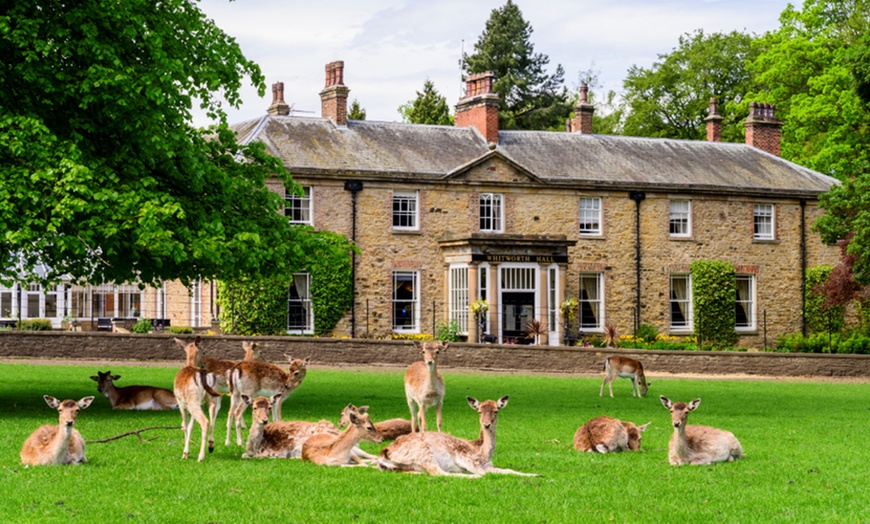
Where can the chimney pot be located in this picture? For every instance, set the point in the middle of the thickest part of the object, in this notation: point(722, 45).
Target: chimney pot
point(714, 122)
point(763, 129)
point(582, 122)
point(479, 107)
point(333, 98)
point(279, 106)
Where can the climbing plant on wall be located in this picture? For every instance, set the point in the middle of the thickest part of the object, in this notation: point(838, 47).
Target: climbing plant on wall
point(821, 319)
point(714, 292)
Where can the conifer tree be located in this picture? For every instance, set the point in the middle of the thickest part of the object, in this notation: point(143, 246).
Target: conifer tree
point(428, 108)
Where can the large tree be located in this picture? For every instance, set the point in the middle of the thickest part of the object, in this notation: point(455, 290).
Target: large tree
point(672, 98)
point(102, 175)
point(530, 97)
point(429, 107)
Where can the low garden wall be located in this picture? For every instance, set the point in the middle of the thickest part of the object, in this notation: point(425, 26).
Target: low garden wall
point(106, 347)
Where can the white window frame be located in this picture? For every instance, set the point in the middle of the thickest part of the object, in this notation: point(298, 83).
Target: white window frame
point(298, 208)
point(491, 212)
point(680, 222)
point(124, 299)
point(749, 305)
point(303, 293)
point(406, 208)
point(195, 303)
point(688, 314)
point(458, 290)
point(8, 302)
point(764, 222)
point(554, 320)
point(590, 216)
point(414, 302)
point(595, 303)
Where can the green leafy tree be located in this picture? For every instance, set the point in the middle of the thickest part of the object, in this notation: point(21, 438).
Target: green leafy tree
point(429, 107)
point(103, 175)
point(714, 299)
point(609, 114)
point(530, 97)
point(671, 99)
point(356, 112)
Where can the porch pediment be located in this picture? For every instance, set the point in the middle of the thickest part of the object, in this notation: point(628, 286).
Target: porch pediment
point(493, 168)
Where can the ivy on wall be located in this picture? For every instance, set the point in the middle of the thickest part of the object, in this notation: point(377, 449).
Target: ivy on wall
point(258, 305)
point(819, 318)
point(714, 296)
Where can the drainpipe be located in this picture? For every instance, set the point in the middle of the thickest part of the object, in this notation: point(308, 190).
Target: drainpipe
point(638, 197)
point(354, 186)
point(804, 267)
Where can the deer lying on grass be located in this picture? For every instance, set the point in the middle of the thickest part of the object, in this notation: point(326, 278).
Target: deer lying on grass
point(279, 439)
point(698, 445)
point(192, 386)
point(254, 378)
point(59, 444)
point(325, 449)
point(424, 386)
point(220, 368)
point(606, 435)
point(627, 368)
point(442, 454)
point(133, 397)
point(389, 429)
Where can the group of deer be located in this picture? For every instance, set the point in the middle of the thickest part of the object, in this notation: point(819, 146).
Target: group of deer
point(693, 444)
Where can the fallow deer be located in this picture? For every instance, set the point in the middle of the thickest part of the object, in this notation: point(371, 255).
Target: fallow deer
point(606, 435)
point(254, 378)
point(220, 368)
point(424, 386)
point(279, 439)
point(389, 429)
point(698, 445)
point(325, 449)
point(442, 454)
point(133, 397)
point(59, 444)
point(192, 385)
point(627, 368)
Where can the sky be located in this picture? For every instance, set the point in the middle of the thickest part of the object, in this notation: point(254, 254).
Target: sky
point(390, 47)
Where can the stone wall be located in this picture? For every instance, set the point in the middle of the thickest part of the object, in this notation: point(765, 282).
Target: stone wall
point(99, 347)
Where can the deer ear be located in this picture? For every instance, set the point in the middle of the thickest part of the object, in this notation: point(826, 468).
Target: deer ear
point(354, 418)
point(643, 428)
point(85, 402)
point(444, 345)
point(197, 340)
point(472, 402)
point(693, 405)
point(362, 409)
point(246, 399)
point(275, 398)
point(417, 344)
point(502, 402)
point(95, 378)
point(666, 402)
point(180, 343)
point(51, 401)
point(116, 377)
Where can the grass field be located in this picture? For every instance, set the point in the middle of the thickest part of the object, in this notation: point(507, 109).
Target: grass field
point(806, 447)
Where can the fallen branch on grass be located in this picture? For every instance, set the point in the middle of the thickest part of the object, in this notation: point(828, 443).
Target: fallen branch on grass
point(137, 433)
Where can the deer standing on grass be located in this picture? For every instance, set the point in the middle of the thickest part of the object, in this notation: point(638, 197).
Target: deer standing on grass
point(698, 445)
point(254, 378)
point(389, 429)
point(606, 435)
point(279, 439)
point(443, 454)
point(627, 368)
point(325, 449)
point(59, 444)
point(220, 368)
point(133, 397)
point(424, 386)
point(192, 385)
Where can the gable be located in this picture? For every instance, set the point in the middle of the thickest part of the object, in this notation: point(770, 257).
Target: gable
point(493, 168)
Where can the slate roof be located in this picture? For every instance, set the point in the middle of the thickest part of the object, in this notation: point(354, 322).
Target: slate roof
point(314, 146)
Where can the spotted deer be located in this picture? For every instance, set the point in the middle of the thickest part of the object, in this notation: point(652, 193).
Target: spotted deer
point(443, 454)
point(389, 429)
point(698, 445)
point(624, 367)
point(133, 397)
point(606, 435)
point(279, 439)
point(254, 378)
point(192, 387)
point(325, 449)
point(61, 444)
point(220, 368)
point(424, 386)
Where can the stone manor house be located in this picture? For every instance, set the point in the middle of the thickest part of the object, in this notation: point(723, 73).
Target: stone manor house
point(445, 216)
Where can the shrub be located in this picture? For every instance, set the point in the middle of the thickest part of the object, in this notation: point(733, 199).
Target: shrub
point(180, 330)
point(821, 319)
point(142, 326)
point(422, 337)
point(714, 294)
point(35, 324)
point(448, 331)
point(647, 332)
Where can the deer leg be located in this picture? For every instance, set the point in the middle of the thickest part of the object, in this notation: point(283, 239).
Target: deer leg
point(230, 418)
point(203, 424)
point(438, 415)
point(610, 386)
point(188, 428)
point(421, 411)
point(634, 391)
point(411, 405)
point(214, 407)
point(601, 393)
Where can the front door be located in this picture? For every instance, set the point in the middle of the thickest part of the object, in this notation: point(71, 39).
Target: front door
point(518, 309)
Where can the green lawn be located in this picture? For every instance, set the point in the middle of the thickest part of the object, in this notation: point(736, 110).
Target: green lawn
point(806, 458)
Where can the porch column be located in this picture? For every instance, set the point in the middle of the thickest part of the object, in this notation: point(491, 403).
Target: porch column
point(494, 306)
point(473, 328)
point(560, 296)
point(543, 292)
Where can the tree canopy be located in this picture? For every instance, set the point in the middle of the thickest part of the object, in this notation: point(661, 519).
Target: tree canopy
point(356, 111)
point(530, 97)
point(429, 107)
point(103, 176)
point(671, 99)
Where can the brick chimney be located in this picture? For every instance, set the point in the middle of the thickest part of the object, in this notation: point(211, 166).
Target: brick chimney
point(582, 122)
point(479, 107)
point(763, 130)
point(279, 106)
point(333, 98)
point(714, 123)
